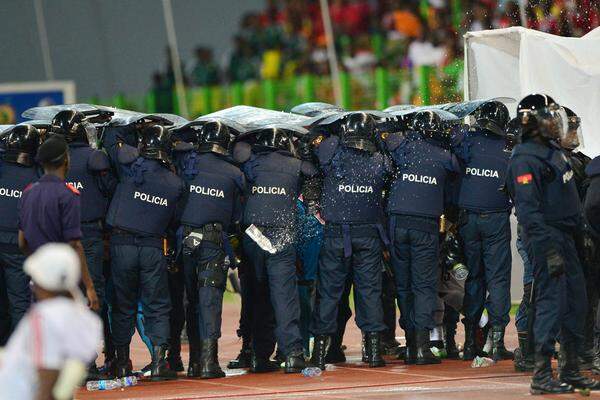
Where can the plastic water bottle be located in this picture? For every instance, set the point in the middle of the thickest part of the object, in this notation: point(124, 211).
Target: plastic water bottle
point(482, 362)
point(128, 381)
point(109, 384)
point(311, 372)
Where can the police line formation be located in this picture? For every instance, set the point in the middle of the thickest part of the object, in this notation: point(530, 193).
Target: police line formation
point(310, 204)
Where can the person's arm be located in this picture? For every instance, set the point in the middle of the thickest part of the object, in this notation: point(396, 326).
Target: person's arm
point(23, 245)
point(99, 165)
point(46, 380)
point(184, 193)
point(238, 207)
point(71, 227)
point(526, 181)
point(90, 291)
point(592, 204)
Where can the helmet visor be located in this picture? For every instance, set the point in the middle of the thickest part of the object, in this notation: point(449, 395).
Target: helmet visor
point(91, 134)
point(553, 122)
point(573, 138)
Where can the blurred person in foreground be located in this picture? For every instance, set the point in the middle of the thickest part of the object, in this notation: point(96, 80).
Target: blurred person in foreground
point(46, 357)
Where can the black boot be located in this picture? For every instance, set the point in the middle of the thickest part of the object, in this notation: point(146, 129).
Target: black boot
point(93, 373)
point(209, 361)
point(259, 365)
point(174, 356)
point(596, 363)
point(543, 382)
point(499, 351)
point(470, 349)
point(122, 368)
point(294, 362)
point(194, 365)
point(523, 355)
point(244, 359)
point(424, 354)
point(410, 353)
point(335, 353)
point(160, 367)
point(110, 360)
point(450, 344)
point(588, 353)
point(389, 346)
point(363, 349)
point(321, 343)
point(373, 350)
point(570, 374)
point(586, 359)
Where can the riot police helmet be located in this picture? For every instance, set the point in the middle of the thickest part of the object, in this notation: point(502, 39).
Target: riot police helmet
point(155, 143)
point(214, 137)
point(21, 144)
point(513, 134)
point(492, 116)
point(359, 131)
point(69, 124)
point(274, 138)
point(428, 123)
point(541, 116)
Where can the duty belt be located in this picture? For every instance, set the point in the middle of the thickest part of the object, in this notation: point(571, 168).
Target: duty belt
point(464, 210)
point(210, 232)
point(347, 232)
point(122, 237)
point(418, 223)
point(91, 228)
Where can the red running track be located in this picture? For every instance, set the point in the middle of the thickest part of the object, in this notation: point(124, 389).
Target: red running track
point(449, 380)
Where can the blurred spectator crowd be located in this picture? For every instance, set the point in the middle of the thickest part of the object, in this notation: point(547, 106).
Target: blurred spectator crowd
point(287, 38)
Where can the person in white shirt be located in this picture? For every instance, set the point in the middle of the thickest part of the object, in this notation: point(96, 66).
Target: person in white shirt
point(46, 356)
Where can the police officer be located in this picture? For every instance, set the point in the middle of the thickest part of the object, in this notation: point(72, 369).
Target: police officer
point(213, 209)
point(50, 210)
point(354, 175)
point(17, 171)
point(91, 175)
point(540, 182)
point(274, 175)
point(584, 239)
point(485, 226)
point(145, 205)
point(415, 204)
point(592, 216)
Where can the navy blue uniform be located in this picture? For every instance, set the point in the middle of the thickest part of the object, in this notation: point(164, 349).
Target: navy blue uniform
point(540, 182)
point(144, 206)
point(214, 186)
point(415, 204)
point(352, 197)
point(484, 226)
point(592, 200)
point(274, 179)
point(50, 211)
point(13, 179)
point(91, 175)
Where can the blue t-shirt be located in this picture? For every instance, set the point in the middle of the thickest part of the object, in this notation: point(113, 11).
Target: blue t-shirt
point(50, 211)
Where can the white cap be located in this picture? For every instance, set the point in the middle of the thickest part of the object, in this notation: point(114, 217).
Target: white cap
point(54, 267)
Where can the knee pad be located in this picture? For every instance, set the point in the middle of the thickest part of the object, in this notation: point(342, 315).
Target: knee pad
point(216, 274)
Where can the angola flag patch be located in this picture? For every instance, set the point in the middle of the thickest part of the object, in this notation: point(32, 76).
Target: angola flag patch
point(524, 179)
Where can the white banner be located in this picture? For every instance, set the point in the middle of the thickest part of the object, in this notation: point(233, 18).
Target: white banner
point(516, 61)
